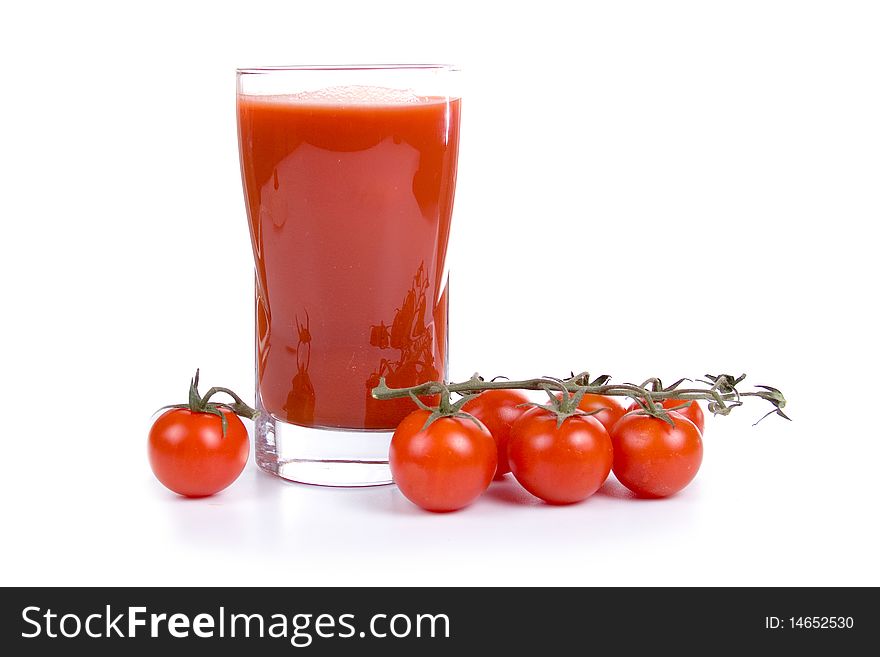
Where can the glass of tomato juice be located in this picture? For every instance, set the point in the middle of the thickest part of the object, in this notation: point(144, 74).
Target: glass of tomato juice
point(349, 177)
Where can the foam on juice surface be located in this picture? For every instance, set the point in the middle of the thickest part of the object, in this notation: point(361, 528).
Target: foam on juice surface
point(351, 95)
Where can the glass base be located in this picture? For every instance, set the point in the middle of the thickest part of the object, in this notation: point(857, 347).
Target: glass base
point(322, 457)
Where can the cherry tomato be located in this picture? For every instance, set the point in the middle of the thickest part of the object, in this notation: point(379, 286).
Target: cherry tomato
point(498, 410)
point(693, 412)
point(445, 466)
point(614, 410)
point(561, 465)
point(653, 458)
point(190, 455)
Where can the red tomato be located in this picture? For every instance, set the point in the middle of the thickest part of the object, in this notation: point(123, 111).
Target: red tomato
point(498, 410)
point(190, 455)
point(609, 417)
point(693, 412)
point(561, 465)
point(444, 467)
point(653, 458)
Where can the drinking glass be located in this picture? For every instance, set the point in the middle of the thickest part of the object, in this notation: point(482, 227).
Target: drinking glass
point(349, 177)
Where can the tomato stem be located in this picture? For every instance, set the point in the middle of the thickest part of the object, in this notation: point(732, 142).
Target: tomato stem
point(239, 407)
point(199, 404)
point(445, 408)
point(720, 391)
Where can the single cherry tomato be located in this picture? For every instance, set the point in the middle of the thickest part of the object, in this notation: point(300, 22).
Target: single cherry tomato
point(612, 411)
point(444, 466)
point(653, 458)
point(560, 464)
point(693, 412)
point(190, 455)
point(498, 410)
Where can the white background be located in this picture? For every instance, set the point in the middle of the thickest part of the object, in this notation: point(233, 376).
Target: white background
point(645, 188)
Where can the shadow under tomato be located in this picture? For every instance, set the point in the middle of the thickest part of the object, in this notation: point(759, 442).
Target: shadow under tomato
point(509, 491)
point(614, 489)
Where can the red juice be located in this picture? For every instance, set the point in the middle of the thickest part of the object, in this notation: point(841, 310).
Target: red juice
point(349, 197)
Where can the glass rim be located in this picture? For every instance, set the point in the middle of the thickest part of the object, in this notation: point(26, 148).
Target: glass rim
point(260, 70)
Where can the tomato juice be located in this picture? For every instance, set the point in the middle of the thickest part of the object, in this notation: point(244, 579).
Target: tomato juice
point(349, 196)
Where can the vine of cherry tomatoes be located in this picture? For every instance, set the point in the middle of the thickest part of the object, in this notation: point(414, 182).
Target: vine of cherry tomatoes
point(560, 457)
